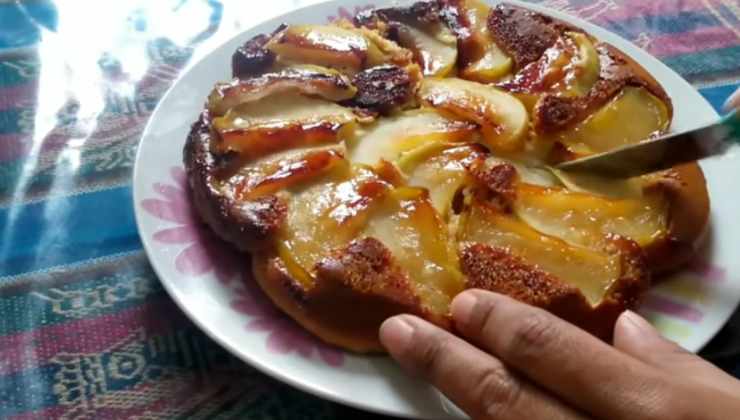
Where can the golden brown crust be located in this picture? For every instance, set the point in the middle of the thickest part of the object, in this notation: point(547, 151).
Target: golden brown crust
point(496, 269)
point(383, 88)
point(688, 200)
point(249, 225)
point(522, 33)
point(499, 180)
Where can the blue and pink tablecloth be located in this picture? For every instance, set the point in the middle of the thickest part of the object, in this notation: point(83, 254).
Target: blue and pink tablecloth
point(86, 330)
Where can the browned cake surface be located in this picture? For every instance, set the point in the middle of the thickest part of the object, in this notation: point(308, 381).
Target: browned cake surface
point(383, 166)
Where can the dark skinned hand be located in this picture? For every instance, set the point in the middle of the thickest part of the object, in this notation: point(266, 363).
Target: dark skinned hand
point(521, 362)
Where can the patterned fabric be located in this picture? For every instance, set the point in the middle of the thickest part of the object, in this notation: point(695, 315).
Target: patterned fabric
point(86, 330)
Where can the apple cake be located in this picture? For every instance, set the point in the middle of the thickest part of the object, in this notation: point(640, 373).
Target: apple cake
point(383, 165)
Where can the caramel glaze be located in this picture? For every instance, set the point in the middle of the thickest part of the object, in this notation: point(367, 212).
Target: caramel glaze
point(333, 86)
point(355, 54)
point(253, 143)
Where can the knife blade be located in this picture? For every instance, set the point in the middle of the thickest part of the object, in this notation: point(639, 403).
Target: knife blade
point(661, 153)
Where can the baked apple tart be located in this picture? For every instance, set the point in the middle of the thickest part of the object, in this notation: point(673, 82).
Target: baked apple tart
point(384, 165)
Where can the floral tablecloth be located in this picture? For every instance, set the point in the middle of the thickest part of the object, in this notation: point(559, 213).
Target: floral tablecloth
point(86, 329)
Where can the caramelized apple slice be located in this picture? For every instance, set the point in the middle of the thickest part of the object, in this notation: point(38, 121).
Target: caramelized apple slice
point(280, 122)
point(442, 169)
point(256, 142)
point(585, 219)
point(481, 58)
point(590, 271)
point(276, 174)
point(391, 136)
point(570, 67)
point(323, 45)
point(381, 50)
point(493, 65)
point(583, 70)
point(409, 226)
point(435, 54)
point(326, 216)
point(599, 185)
point(502, 117)
point(633, 116)
point(418, 28)
point(339, 46)
point(310, 80)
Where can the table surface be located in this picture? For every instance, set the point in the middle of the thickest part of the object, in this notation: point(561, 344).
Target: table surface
point(86, 329)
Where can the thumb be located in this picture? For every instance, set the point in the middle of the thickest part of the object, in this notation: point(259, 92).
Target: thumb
point(635, 336)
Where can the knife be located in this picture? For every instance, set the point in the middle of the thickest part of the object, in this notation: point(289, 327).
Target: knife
point(662, 152)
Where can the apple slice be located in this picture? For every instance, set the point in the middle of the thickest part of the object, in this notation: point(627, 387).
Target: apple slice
point(483, 60)
point(435, 54)
point(280, 122)
point(419, 28)
point(570, 67)
point(590, 271)
point(340, 46)
point(600, 186)
point(502, 117)
point(489, 68)
point(585, 219)
point(307, 79)
point(407, 224)
point(326, 216)
point(442, 169)
point(391, 136)
point(584, 68)
point(272, 175)
point(632, 116)
point(323, 45)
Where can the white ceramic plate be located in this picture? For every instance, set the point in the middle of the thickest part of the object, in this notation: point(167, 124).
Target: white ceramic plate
point(203, 276)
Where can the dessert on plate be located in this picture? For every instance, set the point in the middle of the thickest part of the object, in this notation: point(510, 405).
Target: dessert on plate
point(384, 165)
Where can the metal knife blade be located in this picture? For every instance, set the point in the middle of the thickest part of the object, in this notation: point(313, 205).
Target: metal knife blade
point(660, 153)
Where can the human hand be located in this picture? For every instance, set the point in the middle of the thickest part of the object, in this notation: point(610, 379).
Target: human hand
point(733, 102)
point(525, 363)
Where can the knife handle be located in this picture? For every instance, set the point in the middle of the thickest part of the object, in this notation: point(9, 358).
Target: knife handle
point(731, 122)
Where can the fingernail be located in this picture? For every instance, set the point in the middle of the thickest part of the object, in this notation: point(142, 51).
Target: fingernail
point(638, 322)
point(462, 307)
point(395, 334)
point(732, 102)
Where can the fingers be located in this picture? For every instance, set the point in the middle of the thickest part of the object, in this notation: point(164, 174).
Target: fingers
point(477, 382)
point(733, 102)
point(572, 364)
point(635, 336)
